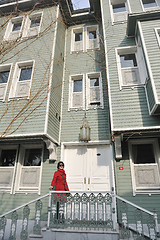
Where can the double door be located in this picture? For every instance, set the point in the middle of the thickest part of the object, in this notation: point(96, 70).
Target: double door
point(88, 168)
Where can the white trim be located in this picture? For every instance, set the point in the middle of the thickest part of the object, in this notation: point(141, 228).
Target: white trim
point(15, 79)
point(70, 100)
point(9, 67)
point(149, 8)
point(107, 66)
point(99, 76)
point(148, 63)
point(96, 28)
point(51, 72)
point(101, 142)
point(157, 35)
point(14, 3)
point(155, 144)
point(135, 128)
point(73, 31)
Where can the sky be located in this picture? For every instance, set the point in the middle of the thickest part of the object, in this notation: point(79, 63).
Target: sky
point(79, 4)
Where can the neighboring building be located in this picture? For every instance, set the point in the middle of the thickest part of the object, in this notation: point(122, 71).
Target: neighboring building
point(63, 71)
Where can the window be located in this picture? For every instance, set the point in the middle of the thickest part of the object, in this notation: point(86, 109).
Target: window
point(23, 165)
point(85, 38)
point(119, 10)
point(4, 77)
point(76, 89)
point(22, 80)
point(14, 28)
point(94, 93)
point(77, 39)
point(32, 25)
point(149, 4)
point(145, 164)
point(92, 37)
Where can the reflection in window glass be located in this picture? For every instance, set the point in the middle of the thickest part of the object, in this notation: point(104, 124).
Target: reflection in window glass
point(143, 153)
point(17, 26)
point(149, 3)
point(4, 76)
point(8, 157)
point(128, 60)
point(92, 35)
point(25, 74)
point(119, 8)
point(78, 37)
point(35, 22)
point(94, 82)
point(77, 87)
point(33, 157)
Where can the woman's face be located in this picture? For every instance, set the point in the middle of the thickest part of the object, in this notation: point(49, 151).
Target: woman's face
point(61, 166)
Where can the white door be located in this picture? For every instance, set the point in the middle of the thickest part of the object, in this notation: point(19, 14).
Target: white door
point(88, 168)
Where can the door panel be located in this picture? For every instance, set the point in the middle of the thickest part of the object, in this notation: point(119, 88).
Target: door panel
point(88, 168)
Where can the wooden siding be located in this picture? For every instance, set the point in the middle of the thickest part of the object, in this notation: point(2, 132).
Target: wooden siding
point(28, 116)
point(83, 63)
point(57, 79)
point(129, 105)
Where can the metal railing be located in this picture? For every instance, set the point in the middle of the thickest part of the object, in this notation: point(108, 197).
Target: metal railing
point(140, 221)
point(89, 210)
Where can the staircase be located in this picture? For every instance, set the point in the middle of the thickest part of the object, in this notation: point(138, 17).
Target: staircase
point(79, 216)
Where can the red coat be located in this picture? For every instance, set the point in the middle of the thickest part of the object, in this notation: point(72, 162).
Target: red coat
point(59, 182)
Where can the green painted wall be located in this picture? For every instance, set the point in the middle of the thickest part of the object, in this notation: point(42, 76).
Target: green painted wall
point(82, 63)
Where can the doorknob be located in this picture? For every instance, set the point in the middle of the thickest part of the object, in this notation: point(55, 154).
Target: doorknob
point(89, 180)
point(85, 180)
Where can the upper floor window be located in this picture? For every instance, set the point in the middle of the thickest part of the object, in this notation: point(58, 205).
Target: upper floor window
point(149, 3)
point(32, 25)
point(86, 91)
point(85, 38)
point(94, 94)
point(4, 77)
point(131, 66)
point(14, 28)
point(21, 83)
point(119, 10)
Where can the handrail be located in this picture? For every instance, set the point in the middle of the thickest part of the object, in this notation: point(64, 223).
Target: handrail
point(23, 205)
point(134, 205)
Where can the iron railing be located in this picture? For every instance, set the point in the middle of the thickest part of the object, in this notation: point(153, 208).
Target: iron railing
point(132, 218)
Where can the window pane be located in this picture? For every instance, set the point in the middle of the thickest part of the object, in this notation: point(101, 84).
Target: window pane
point(17, 26)
point(94, 82)
point(143, 153)
point(119, 8)
point(149, 3)
point(77, 87)
point(35, 22)
point(92, 35)
point(8, 157)
point(4, 76)
point(128, 60)
point(78, 37)
point(33, 157)
point(25, 74)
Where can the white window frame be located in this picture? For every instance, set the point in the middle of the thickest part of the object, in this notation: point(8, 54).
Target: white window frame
point(4, 86)
point(149, 8)
point(95, 41)
point(157, 31)
point(94, 75)
point(14, 86)
point(71, 80)
point(155, 144)
point(17, 187)
point(29, 32)
point(13, 35)
point(73, 32)
point(125, 13)
point(9, 188)
point(123, 51)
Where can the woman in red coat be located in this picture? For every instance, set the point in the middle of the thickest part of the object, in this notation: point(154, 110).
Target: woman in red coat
point(59, 182)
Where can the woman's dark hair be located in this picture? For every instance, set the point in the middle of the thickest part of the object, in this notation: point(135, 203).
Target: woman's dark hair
point(60, 163)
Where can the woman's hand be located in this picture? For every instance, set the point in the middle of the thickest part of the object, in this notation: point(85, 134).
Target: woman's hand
point(50, 187)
